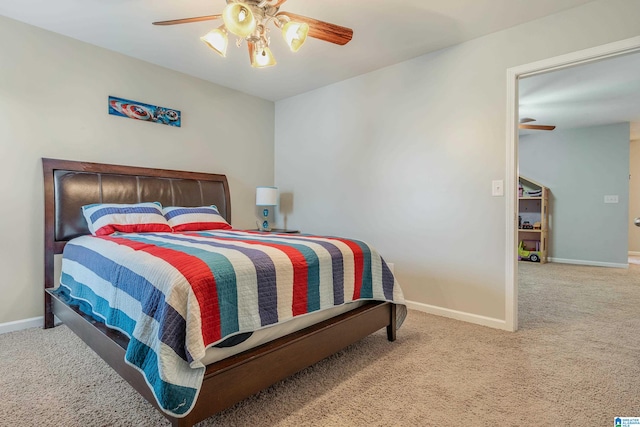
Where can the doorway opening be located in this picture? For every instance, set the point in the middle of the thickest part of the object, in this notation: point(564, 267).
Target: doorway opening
point(514, 75)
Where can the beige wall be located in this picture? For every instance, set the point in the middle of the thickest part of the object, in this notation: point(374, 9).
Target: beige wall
point(634, 195)
point(53, 103)
point(403, 157)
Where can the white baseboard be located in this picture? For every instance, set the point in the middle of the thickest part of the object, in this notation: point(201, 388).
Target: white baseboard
point(426, 308)
point(19, 325)
point(459, 315)
point(591, 263)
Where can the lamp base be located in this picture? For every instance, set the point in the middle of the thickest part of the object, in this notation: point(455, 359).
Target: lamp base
point(265, 221)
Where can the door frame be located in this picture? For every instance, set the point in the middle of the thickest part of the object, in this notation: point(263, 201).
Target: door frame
point(514, 74)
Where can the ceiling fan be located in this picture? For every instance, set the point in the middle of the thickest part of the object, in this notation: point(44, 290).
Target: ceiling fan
point(248, 19)
point(523, 125)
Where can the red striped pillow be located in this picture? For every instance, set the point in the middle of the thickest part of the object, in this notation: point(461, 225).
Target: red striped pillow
point(195, 218)
point(107, 218)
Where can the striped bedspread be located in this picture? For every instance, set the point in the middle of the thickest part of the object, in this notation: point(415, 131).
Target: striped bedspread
point(176, 294)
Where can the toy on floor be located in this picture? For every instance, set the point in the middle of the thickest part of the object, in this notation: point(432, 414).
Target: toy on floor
point(524, 254)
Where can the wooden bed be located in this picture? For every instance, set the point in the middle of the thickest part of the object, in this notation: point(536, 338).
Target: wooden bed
point(69, 184)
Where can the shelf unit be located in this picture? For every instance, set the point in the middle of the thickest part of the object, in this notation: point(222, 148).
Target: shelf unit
point(535, 211)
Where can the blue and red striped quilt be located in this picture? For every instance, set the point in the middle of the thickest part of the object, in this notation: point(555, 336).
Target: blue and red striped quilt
point(176, 294)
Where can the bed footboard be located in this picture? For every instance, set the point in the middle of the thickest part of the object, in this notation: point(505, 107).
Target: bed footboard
point(247, 373)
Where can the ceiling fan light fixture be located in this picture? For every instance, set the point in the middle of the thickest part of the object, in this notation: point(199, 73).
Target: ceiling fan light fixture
point(249, 19)
point(217, 40)
point(295, 34)
point(239, 19)
point(262, 57)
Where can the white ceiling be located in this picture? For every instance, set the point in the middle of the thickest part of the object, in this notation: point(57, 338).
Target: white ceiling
point(598, 93)
point(385, 32)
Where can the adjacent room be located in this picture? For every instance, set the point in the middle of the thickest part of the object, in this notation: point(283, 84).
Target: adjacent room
point(580, 150)
point(280, 212)
point(584, 158)
point(584, 154)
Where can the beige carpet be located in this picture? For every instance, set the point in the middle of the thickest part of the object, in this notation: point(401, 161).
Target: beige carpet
point(575, 361)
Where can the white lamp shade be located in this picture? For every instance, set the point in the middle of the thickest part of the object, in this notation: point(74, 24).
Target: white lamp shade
point(239, 19)
point(217, 40)
point(266, 196)
point(262, 58)
point(295, 33)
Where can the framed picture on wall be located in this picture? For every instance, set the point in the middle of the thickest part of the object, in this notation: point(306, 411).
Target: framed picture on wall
point(140, 111)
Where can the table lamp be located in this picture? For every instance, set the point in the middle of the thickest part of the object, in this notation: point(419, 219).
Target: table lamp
point(266, 196)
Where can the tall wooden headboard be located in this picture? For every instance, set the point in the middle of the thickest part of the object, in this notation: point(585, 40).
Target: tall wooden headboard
point(68, 185)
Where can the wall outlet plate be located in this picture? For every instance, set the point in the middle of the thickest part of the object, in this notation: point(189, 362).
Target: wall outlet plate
point(612, 198)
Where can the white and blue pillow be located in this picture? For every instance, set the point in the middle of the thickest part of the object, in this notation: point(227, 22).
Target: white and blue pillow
point(107, 218)
point(195, 219)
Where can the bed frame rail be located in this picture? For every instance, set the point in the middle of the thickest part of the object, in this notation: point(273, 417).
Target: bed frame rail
point(244, 374)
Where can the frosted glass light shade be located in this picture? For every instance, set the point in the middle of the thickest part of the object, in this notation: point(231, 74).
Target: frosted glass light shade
point(262, 57)
point(266, 196)
point(295, 34)
point(217, 40)
point(239, 19)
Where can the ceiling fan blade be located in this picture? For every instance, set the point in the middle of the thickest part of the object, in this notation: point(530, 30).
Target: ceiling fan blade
point(527, 120)
point(331, 33)
point(277, 3)
point(536, 127)
point(188, 20)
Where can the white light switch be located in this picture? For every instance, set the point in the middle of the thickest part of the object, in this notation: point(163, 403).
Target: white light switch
point(611, 199)
point(497, 187)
